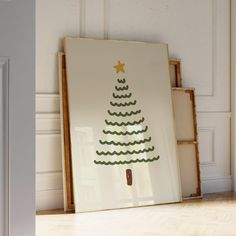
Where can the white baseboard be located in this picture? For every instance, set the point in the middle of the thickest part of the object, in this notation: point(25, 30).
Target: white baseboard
point(216, 184)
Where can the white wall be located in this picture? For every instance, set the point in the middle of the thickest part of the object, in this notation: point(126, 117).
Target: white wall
point(55, 19)
point(198, 32)
point(17, 69)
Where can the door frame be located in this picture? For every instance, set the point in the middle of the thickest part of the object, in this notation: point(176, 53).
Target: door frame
point(233, 89)
point(4, 165)
point(17, 61)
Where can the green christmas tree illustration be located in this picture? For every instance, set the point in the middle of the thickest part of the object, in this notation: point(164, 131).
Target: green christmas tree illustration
point(125, 139)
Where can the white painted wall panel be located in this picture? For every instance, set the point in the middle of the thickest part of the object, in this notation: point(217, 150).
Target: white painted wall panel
point(48, 153)
point(49, 199)
point(198, 32)
point(48, 162)
point(92, 18)
point(47, 103)
point(49, 190)
point(49, 181)
point(54, 20)
point(214, 149)
point(47, 123)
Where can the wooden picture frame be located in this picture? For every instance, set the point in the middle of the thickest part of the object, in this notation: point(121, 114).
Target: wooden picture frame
point(66, 157)
point(175, 72)
point(95, 159)
point(65, 133)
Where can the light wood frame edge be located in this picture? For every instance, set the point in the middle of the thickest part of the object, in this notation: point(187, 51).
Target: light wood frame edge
point(65, 136)
point(66, 129)
point(178, 75)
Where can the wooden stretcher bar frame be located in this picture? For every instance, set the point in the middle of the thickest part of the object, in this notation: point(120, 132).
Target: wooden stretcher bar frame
point(177, 69)
point(178, 86)
point(65, 133)
point(65, 127)
point(191, 92)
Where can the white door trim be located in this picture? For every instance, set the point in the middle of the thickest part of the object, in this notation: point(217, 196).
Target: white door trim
point(17, 49)
point(4, 158)
point(233, 92)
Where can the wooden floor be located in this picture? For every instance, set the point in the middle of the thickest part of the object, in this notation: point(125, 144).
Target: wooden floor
point(214, 215)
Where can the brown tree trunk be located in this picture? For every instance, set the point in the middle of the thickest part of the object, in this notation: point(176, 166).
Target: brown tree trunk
point(129, 177)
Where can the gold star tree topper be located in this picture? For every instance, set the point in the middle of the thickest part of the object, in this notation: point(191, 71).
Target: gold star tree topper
point(120, 67)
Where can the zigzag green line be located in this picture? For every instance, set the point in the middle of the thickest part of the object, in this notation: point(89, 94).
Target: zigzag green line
point(122, 96)
point(125, 144)
point(124, 123)
point(126, 162)
point(116, 104)
point(124, 114)
point(121, 81)
point(125, 153)
point(122, 88)
point(125, 133)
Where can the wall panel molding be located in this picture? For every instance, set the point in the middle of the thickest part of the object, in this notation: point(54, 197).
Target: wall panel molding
point(205, 55)
point(54, 21)
point(82, 12)
point(48, 123)
point(49, 199)
point(49, 184)
point(214, 147)
point(217, 184)
point(49, 181)
point(106, 18)
point(207, 137)
point(220, 80)
point(47, 103)
point(93, 18)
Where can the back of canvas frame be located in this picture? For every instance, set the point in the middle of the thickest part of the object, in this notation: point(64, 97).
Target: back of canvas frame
point(187, 139)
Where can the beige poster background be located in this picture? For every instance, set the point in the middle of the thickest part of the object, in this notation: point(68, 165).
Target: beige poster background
point(92, 78)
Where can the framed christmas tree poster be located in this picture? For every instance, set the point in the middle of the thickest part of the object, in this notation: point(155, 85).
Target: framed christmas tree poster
point(121, 123)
